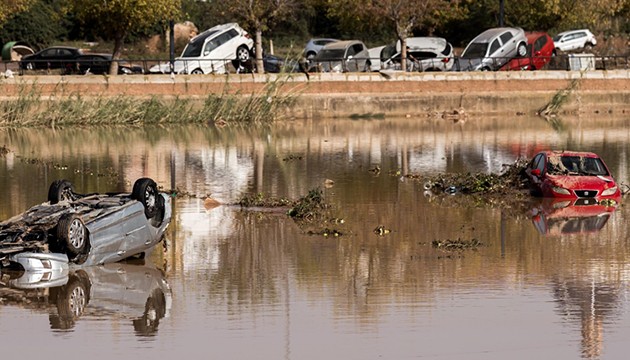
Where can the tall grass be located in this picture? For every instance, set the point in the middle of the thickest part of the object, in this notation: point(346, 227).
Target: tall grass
point(30, 110)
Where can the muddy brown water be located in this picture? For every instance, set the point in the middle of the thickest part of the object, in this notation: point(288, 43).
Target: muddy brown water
point(548, 281)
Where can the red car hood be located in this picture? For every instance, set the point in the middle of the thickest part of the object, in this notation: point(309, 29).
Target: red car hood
point(582, 182)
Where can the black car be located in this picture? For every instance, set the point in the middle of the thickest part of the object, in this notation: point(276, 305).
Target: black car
point(100, 63)
point(56, 57)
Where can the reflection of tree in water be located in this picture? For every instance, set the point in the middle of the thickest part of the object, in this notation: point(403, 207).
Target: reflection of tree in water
point(587, 304)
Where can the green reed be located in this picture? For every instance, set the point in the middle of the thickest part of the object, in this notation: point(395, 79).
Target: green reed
point(29, 109)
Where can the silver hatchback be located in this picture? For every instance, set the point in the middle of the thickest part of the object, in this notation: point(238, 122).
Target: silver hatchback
point(492, 49)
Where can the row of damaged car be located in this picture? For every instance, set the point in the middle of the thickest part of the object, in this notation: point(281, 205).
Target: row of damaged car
point(505, 48)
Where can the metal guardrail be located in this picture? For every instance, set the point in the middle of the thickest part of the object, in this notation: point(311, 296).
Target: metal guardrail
point(559, 62)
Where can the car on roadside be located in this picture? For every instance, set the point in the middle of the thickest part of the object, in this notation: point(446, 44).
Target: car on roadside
point(212, 51)
point(571, 175)
point(575, 40)
point(423, 54)
point(540, 51)
point(85, 229)
point(492, 49)
point(99, 64)
point(62, 58)
point(342, 56)
point(314, 45)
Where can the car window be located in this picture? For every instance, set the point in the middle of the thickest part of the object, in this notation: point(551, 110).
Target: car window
point(506, 36)
point(218, 41)
point(447, 50)
point(540, 164)
point(355, 49)
point(49, 53)
point(194, 47)
point(423, 55)
point(475, 50)
point(540, 43)
point(579, 35)
point(330, 54)
point(495, 46)
point(387, 52)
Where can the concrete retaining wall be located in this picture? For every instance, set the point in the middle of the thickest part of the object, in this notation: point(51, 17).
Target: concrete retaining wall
point(342, 95)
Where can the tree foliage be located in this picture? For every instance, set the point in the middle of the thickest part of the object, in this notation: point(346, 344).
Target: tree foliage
point(9, 8)
point(38, 26)
point(261, 16)
point(115, 19)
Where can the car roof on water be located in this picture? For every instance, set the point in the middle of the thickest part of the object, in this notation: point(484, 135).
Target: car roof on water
point(424, 43)
point(491, 34)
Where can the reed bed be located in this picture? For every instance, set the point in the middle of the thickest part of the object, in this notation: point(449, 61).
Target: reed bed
point(30, 110)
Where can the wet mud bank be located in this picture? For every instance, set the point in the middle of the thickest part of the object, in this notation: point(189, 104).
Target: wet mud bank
point(443, 95)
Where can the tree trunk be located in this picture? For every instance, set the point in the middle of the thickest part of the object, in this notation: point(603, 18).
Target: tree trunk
point(118, 44)
point(403, 54)
point(260, 67)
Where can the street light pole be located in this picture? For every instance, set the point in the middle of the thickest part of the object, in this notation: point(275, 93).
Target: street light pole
point(501, 12)
point(171, 40)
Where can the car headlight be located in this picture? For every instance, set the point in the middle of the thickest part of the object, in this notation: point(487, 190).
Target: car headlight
point(609, 191)
point(559, 190)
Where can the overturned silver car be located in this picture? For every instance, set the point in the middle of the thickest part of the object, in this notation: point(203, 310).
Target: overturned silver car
point(85, 229)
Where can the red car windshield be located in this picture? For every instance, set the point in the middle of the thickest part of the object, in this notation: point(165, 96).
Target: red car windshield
point(576, 165)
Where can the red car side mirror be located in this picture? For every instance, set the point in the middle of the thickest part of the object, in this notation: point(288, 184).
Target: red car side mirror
point(536, 172)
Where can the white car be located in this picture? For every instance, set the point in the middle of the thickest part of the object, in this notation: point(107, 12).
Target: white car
point(423, 54)
point(211, 51)
point(493, 48)
point(575, 40)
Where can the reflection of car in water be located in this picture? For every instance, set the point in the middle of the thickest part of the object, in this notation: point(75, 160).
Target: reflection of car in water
point(564, 216)
point(138, 292)
point(86, 229)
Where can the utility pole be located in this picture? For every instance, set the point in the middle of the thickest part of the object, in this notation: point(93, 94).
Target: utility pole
point(171, 40)
point(501, 12)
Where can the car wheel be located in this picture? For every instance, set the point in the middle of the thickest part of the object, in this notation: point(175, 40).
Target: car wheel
point(61, 190)
point(72, 299)
point(145, 191)
point(197, 72)
point(242, 54)
point(521, 50)
point(588, 47)
point(71, 231)
point(310, 56)
point(29, 66)
point(367, 67)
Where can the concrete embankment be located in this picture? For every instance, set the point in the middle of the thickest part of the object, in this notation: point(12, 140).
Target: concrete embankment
point(364, 94)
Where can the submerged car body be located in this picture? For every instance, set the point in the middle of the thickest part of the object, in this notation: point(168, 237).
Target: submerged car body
point(85, 230)
point(134, 290)
point(571, 174)
point(493, 48)
point(554, 216)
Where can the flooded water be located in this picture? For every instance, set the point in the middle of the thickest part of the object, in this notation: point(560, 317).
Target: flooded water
point(548, 281)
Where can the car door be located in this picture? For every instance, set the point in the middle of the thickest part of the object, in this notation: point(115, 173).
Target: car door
point(508, 46)
point(226, 44)
point(540, 59)
point(495, 54)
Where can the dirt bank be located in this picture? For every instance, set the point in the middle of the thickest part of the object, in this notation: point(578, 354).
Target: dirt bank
point(343, 95)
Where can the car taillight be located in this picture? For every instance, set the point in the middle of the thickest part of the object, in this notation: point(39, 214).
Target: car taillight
point(248, 36)
point(446, 60)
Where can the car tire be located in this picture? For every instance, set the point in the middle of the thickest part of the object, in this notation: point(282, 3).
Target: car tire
point(30, 66)
point(73, 234)
point(310, 56)
point(197, 71)
point(61, 190)
point(71, 300)
point(243, 54)
point(145, 190)
point(588, 46)
point(521, 50)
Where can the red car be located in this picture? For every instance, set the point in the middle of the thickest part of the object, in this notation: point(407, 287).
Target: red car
point(578, 216)
point(571, 175)
point(540, 50)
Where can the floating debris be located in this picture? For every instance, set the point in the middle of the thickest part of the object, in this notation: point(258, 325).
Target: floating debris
point(292, 157)
point(329, 183)
point(262, 200)
point(376, 169)
point(381, 230)
point(457, 245)
point(326, 232)
point(4, 150)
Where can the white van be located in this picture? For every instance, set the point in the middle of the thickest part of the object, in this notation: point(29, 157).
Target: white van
point(211, 51)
